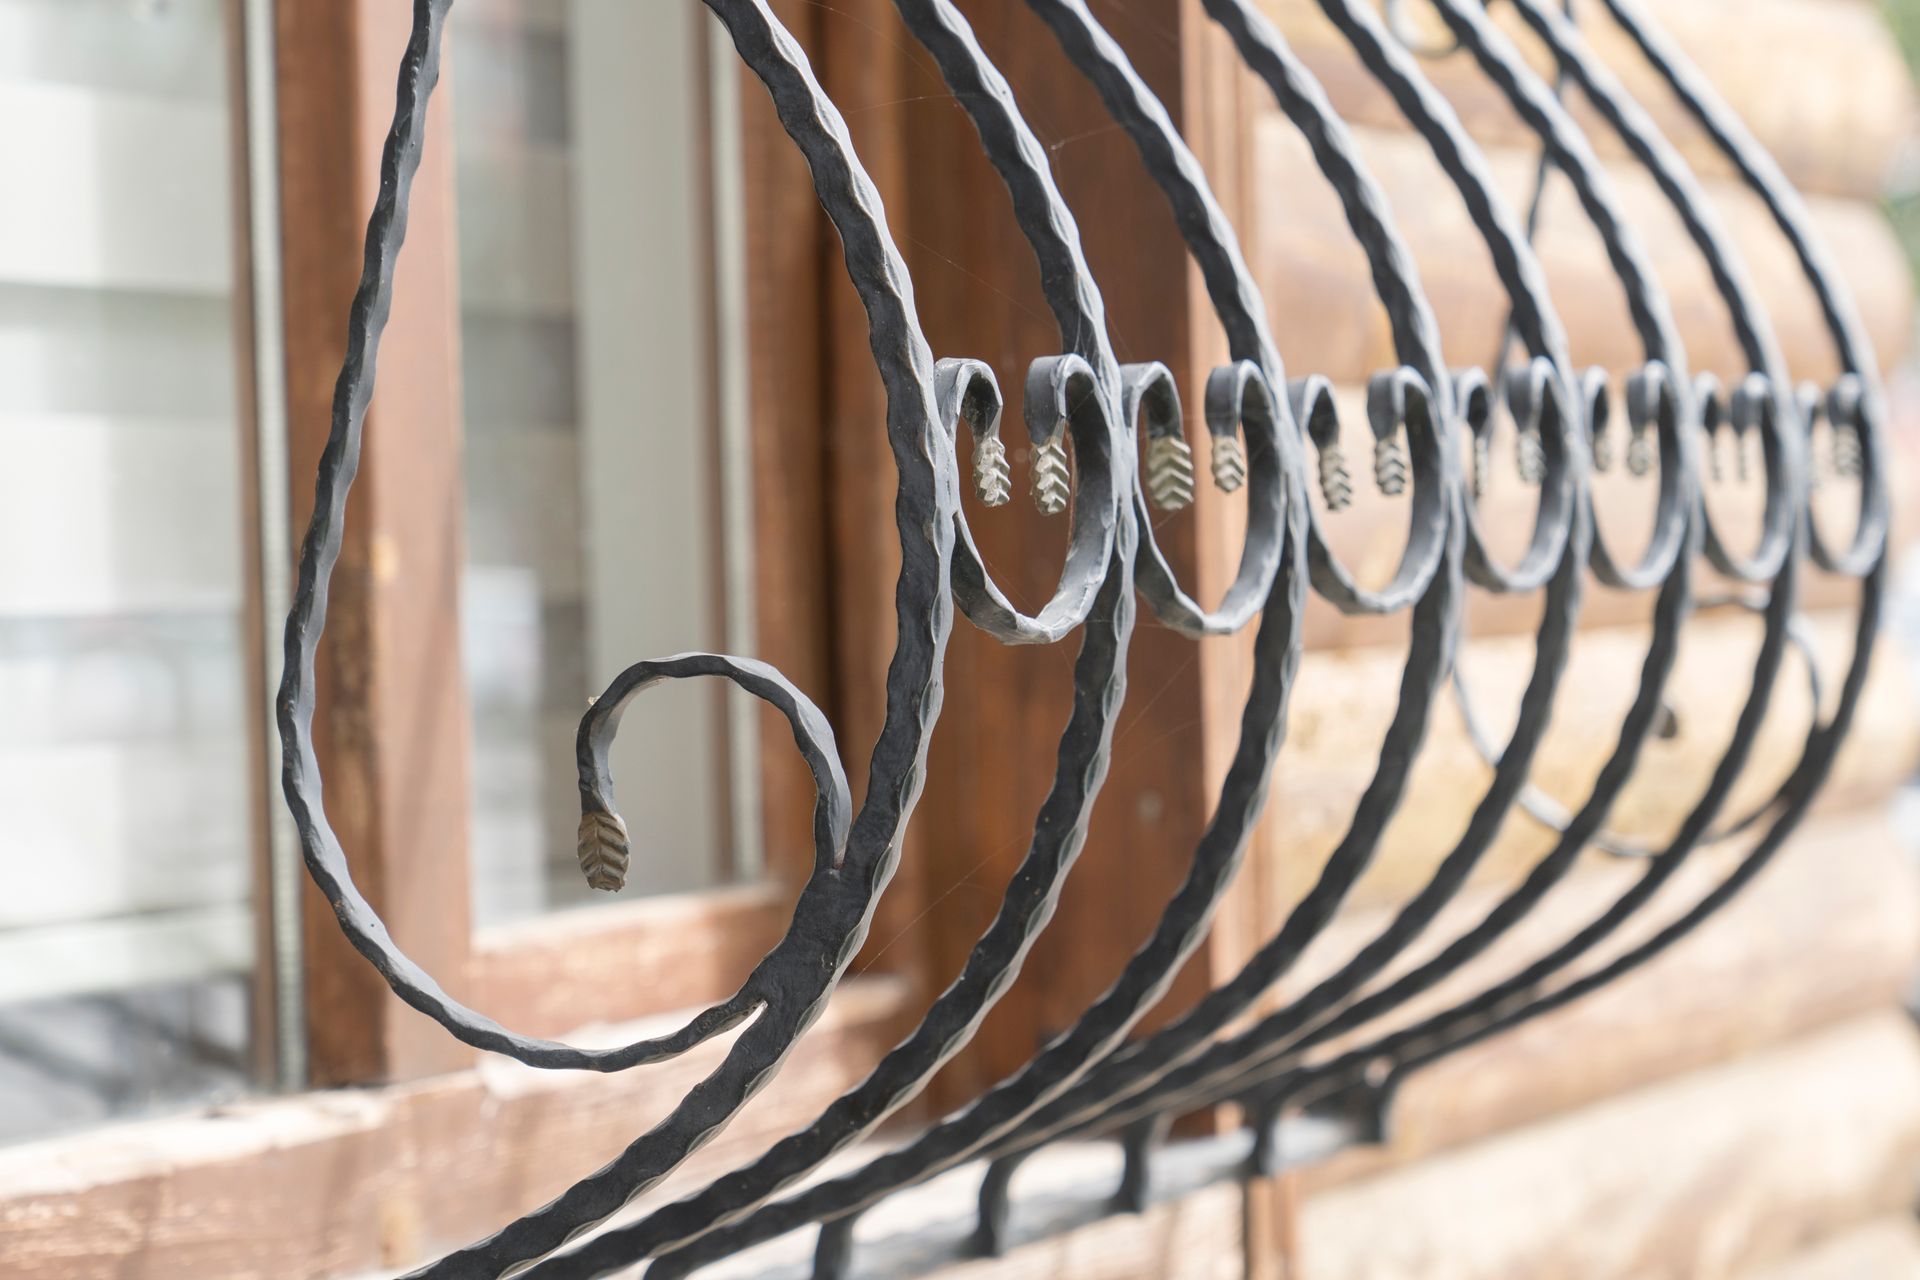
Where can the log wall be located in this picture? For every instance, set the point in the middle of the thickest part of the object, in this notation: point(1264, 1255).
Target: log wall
point(1672, 1075)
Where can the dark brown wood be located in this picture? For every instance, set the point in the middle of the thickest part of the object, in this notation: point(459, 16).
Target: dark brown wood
point(868, 63)
point(787, 247)
point(1224, 107)
point(977, 291)
point(392, 720)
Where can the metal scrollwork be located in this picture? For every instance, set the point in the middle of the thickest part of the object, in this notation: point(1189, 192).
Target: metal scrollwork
point(1109, 444)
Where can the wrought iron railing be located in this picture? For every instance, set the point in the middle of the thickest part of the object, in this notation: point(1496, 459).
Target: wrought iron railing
point(1332, 1054)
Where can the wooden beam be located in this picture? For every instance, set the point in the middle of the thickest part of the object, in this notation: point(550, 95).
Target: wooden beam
point(1271, 1208)
point(1707, 1175)
point(1308, 258)
point(337, 1184)
point(392, 720)
point(1770, 971)
point(787, 249)
point(552, 974)
point(1346, 699)
point(1889, 1247)
point(868, 65)
point(978, 295)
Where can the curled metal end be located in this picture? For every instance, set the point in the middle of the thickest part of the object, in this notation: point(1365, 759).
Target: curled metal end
point(1640, 452)
point(1473, 396)
point(1311, 399)
point(1596, 407)
point(1233, 390)
point(1813, 411)
point(1150, 405)
point(1336, 482)
point(604, 851)
point(1390, 398)
point(1652, 401)
point(1057, 388)
point(1846, 416)
point(1748, 414)
point(1527, 388)
point(966, 391)
point(1390, 465)
point(1715, 423)
point(1530, 459)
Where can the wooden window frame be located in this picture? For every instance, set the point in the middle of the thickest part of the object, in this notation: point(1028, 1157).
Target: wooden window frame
point(391, 672)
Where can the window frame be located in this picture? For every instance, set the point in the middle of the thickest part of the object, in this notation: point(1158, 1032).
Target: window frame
point(391, 667)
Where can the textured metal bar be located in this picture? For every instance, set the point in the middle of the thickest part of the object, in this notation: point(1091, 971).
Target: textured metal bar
point(1087, 416)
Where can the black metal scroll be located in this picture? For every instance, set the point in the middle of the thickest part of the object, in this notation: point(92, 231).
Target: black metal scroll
point(1335, 1050)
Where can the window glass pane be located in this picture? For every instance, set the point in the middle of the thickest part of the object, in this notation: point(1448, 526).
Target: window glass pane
point(126, 931)
point(592, 519)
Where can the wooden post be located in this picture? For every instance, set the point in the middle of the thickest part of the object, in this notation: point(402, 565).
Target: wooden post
point(392, 720)
point(977, 292)
point(788, 244)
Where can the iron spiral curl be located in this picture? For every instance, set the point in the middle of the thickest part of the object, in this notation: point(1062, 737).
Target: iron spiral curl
point(1334, 1052)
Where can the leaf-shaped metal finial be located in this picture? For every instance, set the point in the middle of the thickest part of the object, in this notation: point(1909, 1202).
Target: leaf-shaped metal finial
point(1051, 477)
point(1530, 458)
point(1390, 464)
point(1640, 450)
point(1229, 458)
point(1170, 472)
point(1848, 456)
point(1336, 482)
point(604, 851)
point(992, 477)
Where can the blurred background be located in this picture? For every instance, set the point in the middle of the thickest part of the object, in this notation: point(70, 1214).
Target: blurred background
point(627, 409)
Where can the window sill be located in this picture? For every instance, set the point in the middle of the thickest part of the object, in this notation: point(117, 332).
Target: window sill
point(345, 1181)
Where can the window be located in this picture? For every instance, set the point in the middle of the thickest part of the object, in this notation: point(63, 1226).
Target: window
point(126, 931)
point(143, 420)
point(588, 379)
